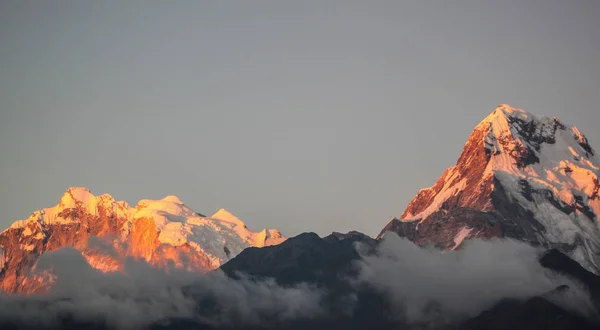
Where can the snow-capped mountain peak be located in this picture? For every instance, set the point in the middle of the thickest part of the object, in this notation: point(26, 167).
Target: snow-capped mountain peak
point(164, 232)
point(226, 216)
point(172, 199)
point(516, 138)
point(75, 195)
point(519, 175)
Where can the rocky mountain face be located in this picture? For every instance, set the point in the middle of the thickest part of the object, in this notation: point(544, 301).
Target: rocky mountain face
point(165, 233)
point(521, 176)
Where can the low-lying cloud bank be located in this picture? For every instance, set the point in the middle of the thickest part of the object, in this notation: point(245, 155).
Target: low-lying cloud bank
point(144, 295)
point(424, 283)
point(420, 284)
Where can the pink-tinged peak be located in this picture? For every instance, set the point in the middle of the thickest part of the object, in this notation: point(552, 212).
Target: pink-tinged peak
point(510, 110)
point(172, 199)
point(226, 216)
point(504, 114)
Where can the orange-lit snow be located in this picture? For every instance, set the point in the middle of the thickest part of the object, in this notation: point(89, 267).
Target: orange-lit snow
point(151, 227)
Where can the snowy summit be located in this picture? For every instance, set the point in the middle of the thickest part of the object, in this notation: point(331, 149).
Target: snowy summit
point(519, 175)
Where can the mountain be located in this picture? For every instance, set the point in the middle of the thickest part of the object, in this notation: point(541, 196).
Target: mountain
point(165, 233)
point(521, 176)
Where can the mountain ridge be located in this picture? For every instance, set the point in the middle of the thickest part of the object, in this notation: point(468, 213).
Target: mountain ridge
point(165, 233)
point(511, 180)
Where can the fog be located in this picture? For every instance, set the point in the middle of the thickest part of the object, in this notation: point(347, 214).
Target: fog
point(142, 295)
point(425, 283)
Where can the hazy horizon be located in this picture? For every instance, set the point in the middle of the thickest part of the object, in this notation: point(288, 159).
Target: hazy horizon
point(298, 116)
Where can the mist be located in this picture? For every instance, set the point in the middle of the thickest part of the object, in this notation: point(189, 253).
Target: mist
point(428, 284)
point(142, 295)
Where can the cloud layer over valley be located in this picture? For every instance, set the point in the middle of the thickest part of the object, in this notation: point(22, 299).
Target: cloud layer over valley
point(419, 284)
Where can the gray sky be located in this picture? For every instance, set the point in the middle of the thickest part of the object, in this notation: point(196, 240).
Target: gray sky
point(302, 116)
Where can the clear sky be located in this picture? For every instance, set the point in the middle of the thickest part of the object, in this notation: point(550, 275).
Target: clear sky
point(298, 115)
